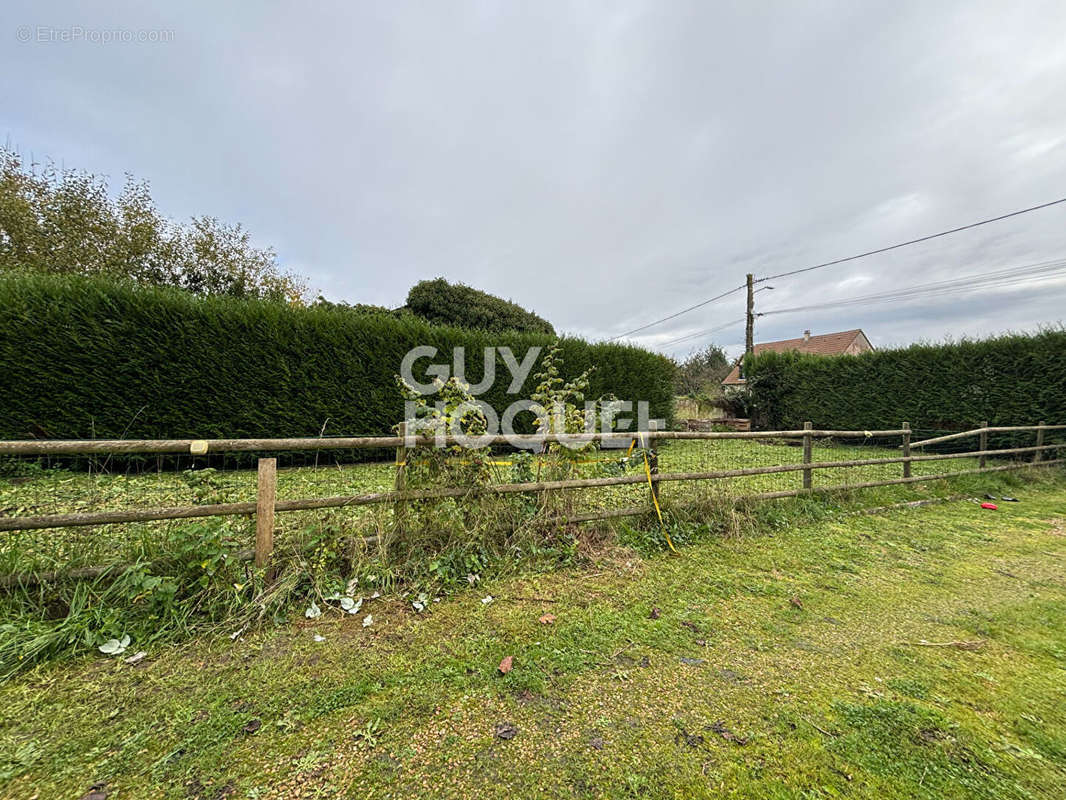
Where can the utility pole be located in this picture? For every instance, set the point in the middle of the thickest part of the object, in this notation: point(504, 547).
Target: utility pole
point(749, 330)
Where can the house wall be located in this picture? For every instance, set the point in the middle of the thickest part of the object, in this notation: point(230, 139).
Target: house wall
point(690, 408)
point(860, 345)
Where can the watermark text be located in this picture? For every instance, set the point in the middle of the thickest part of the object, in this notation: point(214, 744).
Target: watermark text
point(77, 34)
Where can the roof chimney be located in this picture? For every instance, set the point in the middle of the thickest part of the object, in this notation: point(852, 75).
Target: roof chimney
point(806, 336)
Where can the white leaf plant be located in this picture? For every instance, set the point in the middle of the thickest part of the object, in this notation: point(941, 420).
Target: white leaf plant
point(115, 647)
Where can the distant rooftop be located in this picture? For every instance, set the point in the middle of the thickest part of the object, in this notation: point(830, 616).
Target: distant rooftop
point(824, 344)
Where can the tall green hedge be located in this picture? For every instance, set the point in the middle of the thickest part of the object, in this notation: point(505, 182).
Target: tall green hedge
point(1010, 380)
point(84, 358)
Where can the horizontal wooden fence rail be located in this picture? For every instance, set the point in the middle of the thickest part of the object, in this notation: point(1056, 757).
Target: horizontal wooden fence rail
point(310, 504)
point(42, 447)
point(88, 573)
point(639, 511)
point(267, 504)
point(858, 462)
point(978, 431)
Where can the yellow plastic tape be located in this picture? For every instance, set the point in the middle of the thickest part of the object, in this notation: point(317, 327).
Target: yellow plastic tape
point(655, 501)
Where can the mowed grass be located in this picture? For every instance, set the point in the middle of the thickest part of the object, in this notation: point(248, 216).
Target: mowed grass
point(59, 491)
point(786, 664)
point(55, 491)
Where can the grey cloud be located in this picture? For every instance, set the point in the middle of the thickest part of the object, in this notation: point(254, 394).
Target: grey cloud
point(603, 163)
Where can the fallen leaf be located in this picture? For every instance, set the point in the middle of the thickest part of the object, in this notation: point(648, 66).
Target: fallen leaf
point(253, 726)
point(505, 730)
point(506, 665)
point(691, 739)
point(351, 605)
point(115, 647)
point(795, 601)
point(547, 619)
point(98, 791)
point(136, 657)
point(721, 729)
point(368, 620)
point(655, 613)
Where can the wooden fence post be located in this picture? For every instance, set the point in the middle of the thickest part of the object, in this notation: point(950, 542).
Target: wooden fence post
point(1039, 454)
point(983, 445)
point(906, 449)
point(266, 496)
point(653, 463)
point(807, 443)
point(401, 475)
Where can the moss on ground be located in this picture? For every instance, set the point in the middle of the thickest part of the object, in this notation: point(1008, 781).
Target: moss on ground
point(781, 665)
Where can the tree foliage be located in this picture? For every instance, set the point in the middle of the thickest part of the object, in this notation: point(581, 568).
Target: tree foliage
point(66, 221)
point(323, 304)
point(444, 303)
point(702, 372)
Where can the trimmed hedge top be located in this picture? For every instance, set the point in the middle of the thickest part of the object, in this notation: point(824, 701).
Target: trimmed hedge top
point(1009, 380)
point(86, 358)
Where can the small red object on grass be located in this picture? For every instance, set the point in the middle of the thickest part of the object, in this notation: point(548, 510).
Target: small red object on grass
point(990, 506)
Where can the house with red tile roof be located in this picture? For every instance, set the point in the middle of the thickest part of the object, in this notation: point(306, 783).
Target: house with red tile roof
point(842, 343)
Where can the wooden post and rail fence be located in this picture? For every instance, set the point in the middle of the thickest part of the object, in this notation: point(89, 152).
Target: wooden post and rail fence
point(267, 505)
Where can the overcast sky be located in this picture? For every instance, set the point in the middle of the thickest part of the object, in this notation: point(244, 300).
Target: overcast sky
point(604, 164)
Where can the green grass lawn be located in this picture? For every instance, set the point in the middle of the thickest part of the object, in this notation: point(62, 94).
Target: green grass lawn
point(783, 664)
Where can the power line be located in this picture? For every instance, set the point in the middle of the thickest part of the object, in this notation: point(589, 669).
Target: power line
point(838, 261)
point(678, 314)
point(702, 333)
point(913, 241)
point(963, 285)
point(969, 283)
point(942, 288)
point(717, 327)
